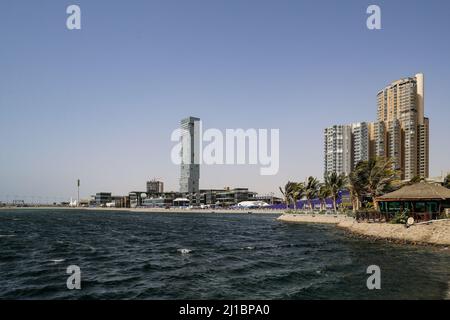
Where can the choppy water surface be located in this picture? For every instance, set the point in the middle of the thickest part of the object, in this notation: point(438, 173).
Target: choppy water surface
point(126, 255)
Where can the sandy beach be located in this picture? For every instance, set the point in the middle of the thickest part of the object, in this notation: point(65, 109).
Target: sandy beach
point(436, 232)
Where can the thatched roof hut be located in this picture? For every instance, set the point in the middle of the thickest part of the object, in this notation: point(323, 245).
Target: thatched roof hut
point(422, 200)
point(418, 191)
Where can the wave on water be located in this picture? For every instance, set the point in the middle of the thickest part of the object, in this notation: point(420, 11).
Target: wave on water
point(248, 248)
point(93, 249)
point(184, 251)
point(7, 235)
point(56, 261)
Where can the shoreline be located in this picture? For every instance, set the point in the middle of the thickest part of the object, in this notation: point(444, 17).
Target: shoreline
point(435, 233)
point(157, 210)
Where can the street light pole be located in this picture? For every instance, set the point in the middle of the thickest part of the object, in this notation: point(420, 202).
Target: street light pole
point(78, 198)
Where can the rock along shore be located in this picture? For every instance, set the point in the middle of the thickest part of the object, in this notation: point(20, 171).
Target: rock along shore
point(435, 233)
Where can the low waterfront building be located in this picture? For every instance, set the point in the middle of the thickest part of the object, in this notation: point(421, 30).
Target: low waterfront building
point(270, 199)
point(181, 202)
point(423, 201)
point(102, 198)
point(210, 197)
point(121, 201)
point(225, 197)
point(159, 202)
point(136, 198)
point(230, 197)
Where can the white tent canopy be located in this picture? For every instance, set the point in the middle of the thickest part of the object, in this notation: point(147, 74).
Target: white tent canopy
point(248, 204)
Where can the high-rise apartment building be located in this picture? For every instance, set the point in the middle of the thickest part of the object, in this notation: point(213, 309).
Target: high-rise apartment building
point(378, 139)
point(400, 133)
point(360, 142)
point(338, 149)
point(346, 146)
point(190, 156)
point(406, 138)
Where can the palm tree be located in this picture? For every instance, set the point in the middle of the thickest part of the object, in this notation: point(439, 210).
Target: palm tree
point(380, 175)
point(311, 190)
point(335, 183)
point(323, 194)
point(297, 192)
point(356, 186)
point(372, 178)
point(415, 179)
point(447, 181)
point(287, 192)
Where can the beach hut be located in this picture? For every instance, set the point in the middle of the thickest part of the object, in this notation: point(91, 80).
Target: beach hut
point(423, 201)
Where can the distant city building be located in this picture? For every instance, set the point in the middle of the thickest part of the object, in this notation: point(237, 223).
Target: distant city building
point(338, 149)
point(190, 155)
point(102, 198)
point(401, 115)
point(18, 203)
point(155, 186)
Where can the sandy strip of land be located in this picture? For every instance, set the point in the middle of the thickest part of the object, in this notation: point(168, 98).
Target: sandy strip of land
point(437, 232)
point(181, 210)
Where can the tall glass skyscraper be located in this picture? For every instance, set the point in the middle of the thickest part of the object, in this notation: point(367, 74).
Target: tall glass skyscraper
point(190, 156)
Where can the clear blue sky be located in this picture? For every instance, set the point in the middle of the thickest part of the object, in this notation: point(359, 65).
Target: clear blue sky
point(100, 103)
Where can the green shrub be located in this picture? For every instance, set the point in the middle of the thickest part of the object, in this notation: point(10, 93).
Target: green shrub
point(350, 213)
point(400, 217)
